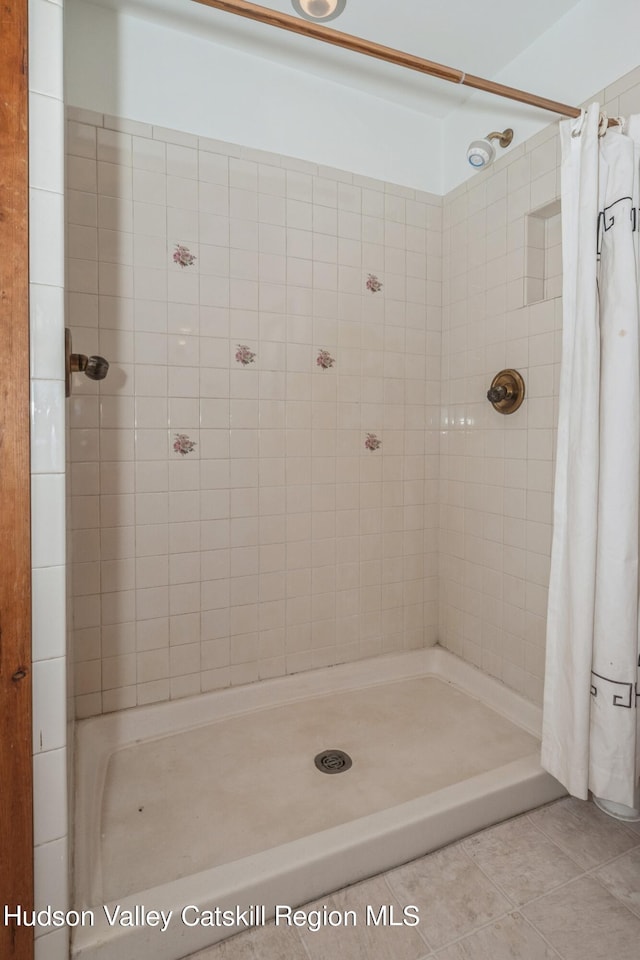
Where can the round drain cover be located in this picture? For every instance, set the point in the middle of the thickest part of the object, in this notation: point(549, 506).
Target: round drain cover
point(333, 761)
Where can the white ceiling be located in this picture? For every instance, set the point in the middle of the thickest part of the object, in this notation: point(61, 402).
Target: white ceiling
point(477, 37)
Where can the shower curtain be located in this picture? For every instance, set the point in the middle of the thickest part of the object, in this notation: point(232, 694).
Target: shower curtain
point(591, 737)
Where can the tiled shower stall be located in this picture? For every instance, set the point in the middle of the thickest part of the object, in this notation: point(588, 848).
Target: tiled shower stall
point(294, 441)
point(291, 463)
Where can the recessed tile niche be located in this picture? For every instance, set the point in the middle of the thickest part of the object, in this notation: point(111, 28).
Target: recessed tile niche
point(543, 267)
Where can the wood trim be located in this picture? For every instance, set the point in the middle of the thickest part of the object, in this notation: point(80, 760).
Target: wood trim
point(318, 31)
point(16, 761)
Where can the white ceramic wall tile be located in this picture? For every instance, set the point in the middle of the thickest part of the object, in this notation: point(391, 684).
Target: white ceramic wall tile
point(48, 520)
point(50, 874)
point(46, 121)
point(50, 796)
point(45, 48)
point(46, 256)
point(49, 705)
point(47, 426)
point(47, 340)
point(46, 231)
point(48, 612)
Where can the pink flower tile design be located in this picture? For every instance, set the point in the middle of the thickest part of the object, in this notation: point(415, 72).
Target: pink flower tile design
point(183, 445)
point(244, 355)
point(372, 442)
point(374, 284)
point(183, 256)
point(325, 360)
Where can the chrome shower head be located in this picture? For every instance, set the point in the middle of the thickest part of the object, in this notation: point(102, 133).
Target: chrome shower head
point(480, 153)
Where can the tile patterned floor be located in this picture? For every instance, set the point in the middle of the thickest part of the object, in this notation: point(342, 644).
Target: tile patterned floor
point(560, 883)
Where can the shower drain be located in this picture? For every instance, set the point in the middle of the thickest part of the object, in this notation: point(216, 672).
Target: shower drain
point(333, 761)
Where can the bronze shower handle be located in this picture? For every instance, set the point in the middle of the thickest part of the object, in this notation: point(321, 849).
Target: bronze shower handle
point(506, 392)
point(96, 368)
point(494, 394)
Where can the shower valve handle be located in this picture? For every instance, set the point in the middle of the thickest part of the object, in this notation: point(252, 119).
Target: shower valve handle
point(96, 368)
point(506, 392)
point(498, 393)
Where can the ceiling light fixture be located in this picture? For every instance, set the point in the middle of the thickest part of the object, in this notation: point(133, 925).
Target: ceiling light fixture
point(319, 10)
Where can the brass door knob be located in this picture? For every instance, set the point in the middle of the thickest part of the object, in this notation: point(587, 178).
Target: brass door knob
point(506, 392)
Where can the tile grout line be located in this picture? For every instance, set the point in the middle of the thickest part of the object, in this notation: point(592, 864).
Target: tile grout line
point(542, 936)
point(581, 876)
point(519, 908)
point(487, 877)
point(423, 936)
point(469, 933)
point(607, 863)
point(301, 942)
point(571, 857)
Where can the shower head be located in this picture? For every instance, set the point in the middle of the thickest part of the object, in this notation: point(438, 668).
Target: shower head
point(480, 153)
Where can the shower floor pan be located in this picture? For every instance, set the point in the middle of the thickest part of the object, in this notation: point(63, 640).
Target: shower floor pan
point(216, 801)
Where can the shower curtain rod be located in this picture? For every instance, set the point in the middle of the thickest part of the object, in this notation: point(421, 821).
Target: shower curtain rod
point(317, 31)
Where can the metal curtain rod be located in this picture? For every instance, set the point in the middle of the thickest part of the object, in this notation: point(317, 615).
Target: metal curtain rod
point(317, 31)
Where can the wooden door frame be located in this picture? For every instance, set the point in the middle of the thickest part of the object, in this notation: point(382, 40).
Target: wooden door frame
point(16, 755)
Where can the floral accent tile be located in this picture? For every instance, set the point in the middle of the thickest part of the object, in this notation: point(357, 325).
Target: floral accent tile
point(183, 445)
point(372, 442)
point(325, 360)
point(183, 256)
point(244, 355)
point(373, 283)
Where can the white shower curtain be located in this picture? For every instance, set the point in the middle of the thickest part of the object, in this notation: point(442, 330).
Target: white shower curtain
point(591, 736)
